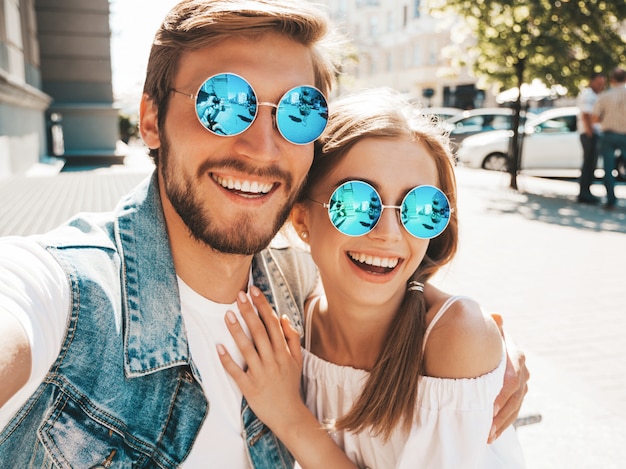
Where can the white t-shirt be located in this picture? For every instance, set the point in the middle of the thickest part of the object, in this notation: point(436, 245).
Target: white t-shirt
point(34, 288)
point(585, 102)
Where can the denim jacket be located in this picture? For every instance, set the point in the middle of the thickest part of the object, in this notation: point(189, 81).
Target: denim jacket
point(124, 391)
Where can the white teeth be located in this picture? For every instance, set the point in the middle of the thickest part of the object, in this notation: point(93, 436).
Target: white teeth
point(388, 262)
point(252, 187)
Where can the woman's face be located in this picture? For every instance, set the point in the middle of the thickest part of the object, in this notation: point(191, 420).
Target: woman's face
point(371, 269)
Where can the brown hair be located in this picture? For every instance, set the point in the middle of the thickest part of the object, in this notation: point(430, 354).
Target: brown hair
point(195, 24)
point(618, 75)
point(389, 396)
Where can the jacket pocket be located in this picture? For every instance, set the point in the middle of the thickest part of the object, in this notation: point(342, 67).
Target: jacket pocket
point(78, 436)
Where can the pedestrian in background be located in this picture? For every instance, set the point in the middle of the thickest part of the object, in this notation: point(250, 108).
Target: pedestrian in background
point(589, 136)
point(610, 112)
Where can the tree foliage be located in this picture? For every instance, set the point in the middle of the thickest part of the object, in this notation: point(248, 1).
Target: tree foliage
point(559, 41)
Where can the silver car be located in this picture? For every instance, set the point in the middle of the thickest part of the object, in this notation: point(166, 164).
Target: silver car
point(480, 120)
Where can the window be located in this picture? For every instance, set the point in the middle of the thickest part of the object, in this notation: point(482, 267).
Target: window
point(482, 123)
point(373, 26)
point(416, 8)
point(433, 53)
point(15, 45)
point(417, 55)
point(558, 124)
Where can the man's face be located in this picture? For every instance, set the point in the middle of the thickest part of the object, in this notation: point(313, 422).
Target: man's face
point(598, 83)
point(234, 193)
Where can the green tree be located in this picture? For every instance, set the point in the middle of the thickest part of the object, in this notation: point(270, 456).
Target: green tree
point(559, 41)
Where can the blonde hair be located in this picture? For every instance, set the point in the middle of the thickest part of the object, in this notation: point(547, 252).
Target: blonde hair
point(195, 24)
point(389, 396)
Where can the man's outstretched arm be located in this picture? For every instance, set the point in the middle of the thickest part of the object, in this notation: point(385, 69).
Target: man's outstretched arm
point(509, 401)
point(15, 357)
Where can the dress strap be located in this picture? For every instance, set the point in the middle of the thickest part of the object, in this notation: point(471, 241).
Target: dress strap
point(438, 316)
point(308, 319)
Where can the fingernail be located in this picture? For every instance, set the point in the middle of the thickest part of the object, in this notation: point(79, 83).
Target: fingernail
point(242, 297)
point(220, 349)
point(286, 318)
point(230, 317)
point(255, 291)
point(496, 409)
point(492, 434)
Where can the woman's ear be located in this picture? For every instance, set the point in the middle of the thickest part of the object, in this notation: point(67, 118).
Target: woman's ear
point(300, 220)
point(149, 122)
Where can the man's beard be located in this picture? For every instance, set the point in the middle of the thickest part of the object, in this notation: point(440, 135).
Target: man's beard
point(245, 236)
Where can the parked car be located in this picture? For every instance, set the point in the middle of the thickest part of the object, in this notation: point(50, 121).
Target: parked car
point(441, 113)
point(480, 120)
point(551, 141)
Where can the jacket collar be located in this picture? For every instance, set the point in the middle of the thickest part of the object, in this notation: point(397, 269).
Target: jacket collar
point(154, 333)
point(154, 336)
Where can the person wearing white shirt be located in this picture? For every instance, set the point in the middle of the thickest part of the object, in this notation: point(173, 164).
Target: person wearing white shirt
point(589, 136)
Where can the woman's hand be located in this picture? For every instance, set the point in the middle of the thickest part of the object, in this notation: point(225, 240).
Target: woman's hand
point(271, 382)
point(273, 358)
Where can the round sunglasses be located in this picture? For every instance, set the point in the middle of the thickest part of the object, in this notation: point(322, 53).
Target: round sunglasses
point(226, 105)
point(355, 208)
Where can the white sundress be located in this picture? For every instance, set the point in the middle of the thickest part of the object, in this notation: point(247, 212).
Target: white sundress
point(452, 425)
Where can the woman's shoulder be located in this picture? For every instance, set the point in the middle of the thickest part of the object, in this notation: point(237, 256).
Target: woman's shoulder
point(464, 342)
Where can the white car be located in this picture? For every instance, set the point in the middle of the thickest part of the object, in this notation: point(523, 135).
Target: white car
point(550, 142)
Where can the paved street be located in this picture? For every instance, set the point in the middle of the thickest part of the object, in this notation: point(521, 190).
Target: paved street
point(38, 203)
point(555, 269)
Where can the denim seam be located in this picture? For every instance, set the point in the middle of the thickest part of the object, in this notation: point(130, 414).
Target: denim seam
point(164, 427)
point(57, 410)
point(110, 422)
point(70, 328)
point(23, 412)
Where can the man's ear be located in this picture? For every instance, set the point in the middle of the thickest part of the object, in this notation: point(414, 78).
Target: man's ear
point(300, 220)
point(149, 122)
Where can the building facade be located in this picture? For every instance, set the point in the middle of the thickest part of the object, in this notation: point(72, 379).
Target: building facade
point(56, 94)
point(400, 45)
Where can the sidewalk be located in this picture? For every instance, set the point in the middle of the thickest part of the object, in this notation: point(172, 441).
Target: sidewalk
point(45, 199)
point(555, 269)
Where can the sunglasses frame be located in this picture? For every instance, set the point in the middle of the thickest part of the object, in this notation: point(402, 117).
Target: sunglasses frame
point(327, 206)
point(276, 107)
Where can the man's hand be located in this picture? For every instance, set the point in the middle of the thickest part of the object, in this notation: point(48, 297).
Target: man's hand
point(509, 401)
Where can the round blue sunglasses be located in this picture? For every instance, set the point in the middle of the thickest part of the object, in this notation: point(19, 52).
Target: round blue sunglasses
point(355, 208)
point(226, 105)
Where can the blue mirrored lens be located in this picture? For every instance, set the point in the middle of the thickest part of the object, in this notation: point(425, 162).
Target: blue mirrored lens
point(354, 208)
point(302, 115)
point(425, 212)
point(226, 104)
